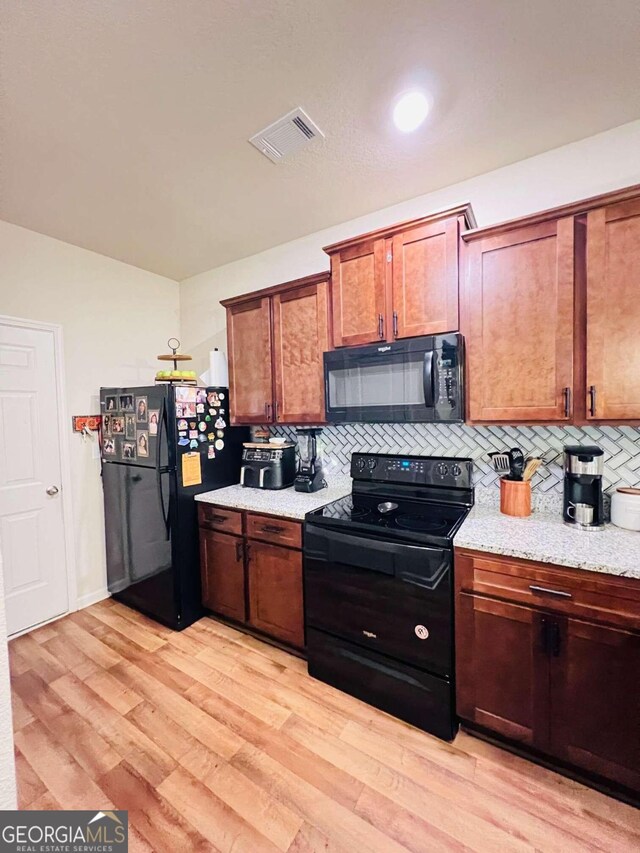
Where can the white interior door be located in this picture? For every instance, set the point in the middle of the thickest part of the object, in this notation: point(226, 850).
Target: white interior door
point(31, 516)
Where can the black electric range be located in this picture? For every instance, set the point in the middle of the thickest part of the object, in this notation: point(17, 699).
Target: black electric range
point(378, 574)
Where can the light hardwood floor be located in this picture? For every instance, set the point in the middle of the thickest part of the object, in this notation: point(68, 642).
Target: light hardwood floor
point(215, 741)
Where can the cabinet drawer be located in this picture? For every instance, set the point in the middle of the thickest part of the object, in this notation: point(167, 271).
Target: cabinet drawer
point(279, 530)
point(574, 592)
point(220, 518)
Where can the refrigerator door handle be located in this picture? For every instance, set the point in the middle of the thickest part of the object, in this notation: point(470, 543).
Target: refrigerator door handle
point(161, 425)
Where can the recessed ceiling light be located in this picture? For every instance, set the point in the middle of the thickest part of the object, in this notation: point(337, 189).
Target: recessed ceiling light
point(410, 111)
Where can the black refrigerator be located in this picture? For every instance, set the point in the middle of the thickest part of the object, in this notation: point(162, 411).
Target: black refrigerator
point(160, 446)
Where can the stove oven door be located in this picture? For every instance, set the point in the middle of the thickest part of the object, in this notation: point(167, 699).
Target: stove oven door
point(391, 597)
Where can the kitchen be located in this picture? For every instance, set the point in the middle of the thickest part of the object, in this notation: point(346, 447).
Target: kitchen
point(341, 614)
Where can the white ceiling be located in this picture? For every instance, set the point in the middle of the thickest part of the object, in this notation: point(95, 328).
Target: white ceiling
point(124, 123)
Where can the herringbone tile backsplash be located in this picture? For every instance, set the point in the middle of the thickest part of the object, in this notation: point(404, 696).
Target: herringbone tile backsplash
point(621, 446)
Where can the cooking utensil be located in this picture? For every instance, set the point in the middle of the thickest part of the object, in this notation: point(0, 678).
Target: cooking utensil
point(516, 463)
point(533, 463)
point(501, 462)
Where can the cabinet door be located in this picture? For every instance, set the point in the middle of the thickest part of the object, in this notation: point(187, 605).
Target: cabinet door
point(502, 668)
point(222, 572)
point(613, 312)
point(595, 700)
point(249, 344)
point(275, 591)
point(358, 294)
point(425, 280)
point(519, 324)
point(301, 336)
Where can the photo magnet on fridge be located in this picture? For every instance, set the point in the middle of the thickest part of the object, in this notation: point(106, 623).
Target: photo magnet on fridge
point(185, 394)
point(211, 452)
point(106, 424)
point(130, 426)
point(129, 450)
point(201, 395)
point(154, 414)
point(110, 404)
point(141, 410)
point(212, 398)
point(109, 446)
point(143, 443)
point(117, 425)
point(126, 402)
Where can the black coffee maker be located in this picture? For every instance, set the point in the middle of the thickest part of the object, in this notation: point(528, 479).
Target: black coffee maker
point(583, 505)
point(310, 476)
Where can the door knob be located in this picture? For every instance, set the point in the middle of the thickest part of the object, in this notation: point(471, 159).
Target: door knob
point(52, 490)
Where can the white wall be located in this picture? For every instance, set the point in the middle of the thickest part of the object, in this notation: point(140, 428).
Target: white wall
point(7, 765)
point(595, 165)
point(115, 320)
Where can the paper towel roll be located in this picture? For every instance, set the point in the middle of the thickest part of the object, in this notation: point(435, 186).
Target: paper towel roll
point(218, 374)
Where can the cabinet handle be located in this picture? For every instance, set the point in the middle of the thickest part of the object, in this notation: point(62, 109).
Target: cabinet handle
point(555, 639)
point(560, 593)
point(567, 402)
point(592, 399)
point(239, 551)
point(395, 324)
point(380, 326)
point(219, 519)
point(271, 528)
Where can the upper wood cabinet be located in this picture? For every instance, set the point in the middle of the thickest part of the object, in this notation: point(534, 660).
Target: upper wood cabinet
point(398, 282)
point(276, 338)
point(518, 296)
point(300, 336)
point(249, 346)
point(550, 311)
point(613, 312)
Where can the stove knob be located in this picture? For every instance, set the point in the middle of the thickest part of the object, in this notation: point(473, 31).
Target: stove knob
point(456, 470)
point(360, 463)
point(441, 469)
point(371, 463)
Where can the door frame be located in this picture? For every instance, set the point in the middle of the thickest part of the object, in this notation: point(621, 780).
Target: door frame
point(65, 464)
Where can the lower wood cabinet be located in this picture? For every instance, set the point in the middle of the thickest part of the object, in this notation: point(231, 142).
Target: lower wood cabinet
point(253, 575)
point(555, 668)
point(275, 591)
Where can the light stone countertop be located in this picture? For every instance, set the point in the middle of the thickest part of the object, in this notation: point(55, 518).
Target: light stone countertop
point(285, 503)
point(543, 536)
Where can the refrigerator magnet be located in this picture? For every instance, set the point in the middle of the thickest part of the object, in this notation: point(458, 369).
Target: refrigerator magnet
point(206, 417)
point(200, 408)
point(106, 424)
point(202, 438)
point(182, 424)
point(221, 395)
point(126, 402)
point(185, 394)
point(182, 434)
point(109, 446)
point(130, 427)
point(129, 450)
point(117, 425)
point(191, 469)
point(212, 398)
point(211, 436)
point(110, 404)
point(220, 423)
point(143, 442)
point(219, 444)
point(183, 442)
point(202, 426)
point(189, 410)
point(213, 412)
point(211, 453)
point(194, 443)
point(154, 414)
point(193, 433)
point(192, 424)
point(142, 415)
point(220, 433)
point(201, 395)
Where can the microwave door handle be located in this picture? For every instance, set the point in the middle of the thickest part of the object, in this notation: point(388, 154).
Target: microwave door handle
point(427, 379)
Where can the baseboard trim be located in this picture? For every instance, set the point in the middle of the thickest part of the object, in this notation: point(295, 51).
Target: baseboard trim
point(91, 598)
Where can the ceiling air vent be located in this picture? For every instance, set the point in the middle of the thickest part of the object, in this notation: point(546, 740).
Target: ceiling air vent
point(286, 136)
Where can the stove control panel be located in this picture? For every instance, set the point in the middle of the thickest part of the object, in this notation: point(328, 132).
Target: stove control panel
point(418, 470)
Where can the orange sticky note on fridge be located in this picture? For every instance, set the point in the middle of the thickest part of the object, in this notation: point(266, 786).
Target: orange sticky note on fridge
point(191, 469)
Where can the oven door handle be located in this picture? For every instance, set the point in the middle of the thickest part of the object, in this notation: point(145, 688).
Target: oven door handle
point(427, 379)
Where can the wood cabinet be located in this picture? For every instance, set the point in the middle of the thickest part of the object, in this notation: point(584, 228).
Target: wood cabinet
point(520, 324)
point(613, 312)
point(550, 313)
point(222, 573)
point(249, 346)
point(275, 591)
point(276, 339)
point(398, 282)
point(547, 658)
point(253, 575)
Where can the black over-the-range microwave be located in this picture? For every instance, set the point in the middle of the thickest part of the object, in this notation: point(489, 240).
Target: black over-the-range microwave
point(418, 380)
